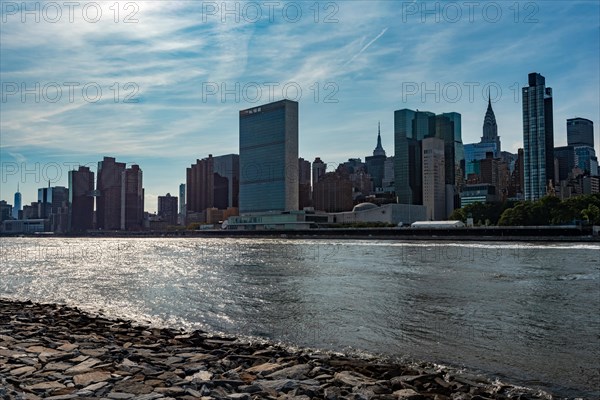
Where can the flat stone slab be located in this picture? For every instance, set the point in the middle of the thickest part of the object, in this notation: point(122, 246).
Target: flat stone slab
point(91, 377)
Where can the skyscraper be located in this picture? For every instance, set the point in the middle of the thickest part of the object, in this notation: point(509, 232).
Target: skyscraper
point(490, 129)
point(227, 168)
point(167, 208)
point(269, 157)
point(108, 202)
point(407, 155)
point(375, 163)
point(580, 132)
point(318, 170)
point(132, 199)
point(17, 206)
point(200, 184)
point(538, 137)
point(182, 200)
point(434, 188)
point(304, 191)
point(81, 211)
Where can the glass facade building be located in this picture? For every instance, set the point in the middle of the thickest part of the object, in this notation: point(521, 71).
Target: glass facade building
point(269, 158)
point(580, 132)
point(475, 152)
point(538, 137)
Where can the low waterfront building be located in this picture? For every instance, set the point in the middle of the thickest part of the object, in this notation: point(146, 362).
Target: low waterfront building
point(25, 226)
point(391, 213)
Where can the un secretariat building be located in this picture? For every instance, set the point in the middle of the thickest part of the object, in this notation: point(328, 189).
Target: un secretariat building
point(269, 158)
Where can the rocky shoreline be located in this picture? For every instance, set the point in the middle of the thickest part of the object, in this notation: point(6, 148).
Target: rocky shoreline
point(58, 352)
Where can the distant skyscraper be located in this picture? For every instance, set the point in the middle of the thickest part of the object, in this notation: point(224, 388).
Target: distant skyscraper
point(375, 163)
point(132, 199)
point(108, 202)
point(304, 190)
point(448, 128)
point(227, 168)
point(269, 157)
point(580, 132)
point(44, 201)
point(538, 137)
point(81, 211)
point(408, 125)
point(318, 170)
point(434, 188)
point(379, 151)
point(167, 208)
point(200, 185)
point(182, 199)
point(17, 206)
point(490, 129)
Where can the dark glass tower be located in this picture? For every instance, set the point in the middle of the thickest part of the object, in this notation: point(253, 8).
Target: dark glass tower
point(81, 211)
point(108, 203)
point(132, 199)
point(538, 137)
point(580, 132)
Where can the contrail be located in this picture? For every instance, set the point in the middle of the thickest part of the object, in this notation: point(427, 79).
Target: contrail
point(365, 47)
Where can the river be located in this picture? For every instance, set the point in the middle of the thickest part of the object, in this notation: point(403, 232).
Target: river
point(526, 313)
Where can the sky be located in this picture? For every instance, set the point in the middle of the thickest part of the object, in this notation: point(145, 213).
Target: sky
point(160, 83)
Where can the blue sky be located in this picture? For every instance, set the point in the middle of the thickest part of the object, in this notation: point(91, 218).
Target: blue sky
point(173, 58)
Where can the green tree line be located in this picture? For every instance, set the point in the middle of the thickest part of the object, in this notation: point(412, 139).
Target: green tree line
point(548, 210)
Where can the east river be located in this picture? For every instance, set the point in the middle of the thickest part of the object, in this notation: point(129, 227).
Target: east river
point(526, 313)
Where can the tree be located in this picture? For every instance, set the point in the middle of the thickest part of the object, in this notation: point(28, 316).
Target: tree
point(591, 213)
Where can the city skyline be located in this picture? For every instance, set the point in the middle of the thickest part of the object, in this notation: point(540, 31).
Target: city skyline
point(366, 55)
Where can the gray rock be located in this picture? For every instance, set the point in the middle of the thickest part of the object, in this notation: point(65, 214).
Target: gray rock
point(352, 378)
point(294, 372)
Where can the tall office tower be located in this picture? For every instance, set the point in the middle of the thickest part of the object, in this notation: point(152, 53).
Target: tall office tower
point(375, 163)
point(17, 206)
point(410, 128)
point(44, 201)
point(108, 202)
point(318, 170)
point(538, 137)
point(490, 129)
point(304, 191)
point(434, 188)
point(81, 211)
point(200, 185)
point(132, 199)
point(448, 128)
point(167, 208)
point(182, 199)
point(459, 151)
point(269, 157)
point(227, 180)
point(580, 132)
